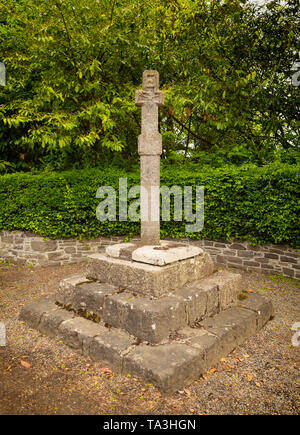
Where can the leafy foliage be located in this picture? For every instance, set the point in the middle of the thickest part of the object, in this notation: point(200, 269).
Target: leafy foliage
point(72, 68)
point(258, 204)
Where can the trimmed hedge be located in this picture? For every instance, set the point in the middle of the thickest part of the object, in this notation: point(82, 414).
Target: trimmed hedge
point(258, 204)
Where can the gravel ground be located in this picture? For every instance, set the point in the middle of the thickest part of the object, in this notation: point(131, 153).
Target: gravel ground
point(40, 375)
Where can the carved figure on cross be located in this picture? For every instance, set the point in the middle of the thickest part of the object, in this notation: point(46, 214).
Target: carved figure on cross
point(150, 94)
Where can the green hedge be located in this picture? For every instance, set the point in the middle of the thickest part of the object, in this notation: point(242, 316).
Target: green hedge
point(258, 204)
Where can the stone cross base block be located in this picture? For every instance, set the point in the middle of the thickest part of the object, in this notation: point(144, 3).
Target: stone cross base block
point(149, 270)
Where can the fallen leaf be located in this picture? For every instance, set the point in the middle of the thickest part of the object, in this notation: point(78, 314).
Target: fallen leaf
point(249, 377)
point(224, 366)
point(213, 370)
point(25, 364)
point(106, 370)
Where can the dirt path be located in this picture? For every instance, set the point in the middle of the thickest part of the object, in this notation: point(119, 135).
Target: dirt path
point(39, 375)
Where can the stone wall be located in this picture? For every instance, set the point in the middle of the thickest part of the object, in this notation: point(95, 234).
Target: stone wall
point(27, 248)
point(271, 259)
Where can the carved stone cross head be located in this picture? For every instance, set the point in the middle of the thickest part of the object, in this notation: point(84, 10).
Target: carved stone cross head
point(149, 98)
point(150, 93)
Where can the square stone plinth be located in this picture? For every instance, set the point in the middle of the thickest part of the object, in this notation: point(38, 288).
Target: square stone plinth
point(148, 279)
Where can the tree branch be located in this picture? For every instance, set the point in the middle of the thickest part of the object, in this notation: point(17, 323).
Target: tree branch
point(188, 137)
point(67, 32)
point(190, 131)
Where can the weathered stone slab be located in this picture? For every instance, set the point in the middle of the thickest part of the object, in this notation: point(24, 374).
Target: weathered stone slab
point(229, 286)
point(149, 320)
point(32, 312)
point(168, 366)
point(67, 286)
point(145, 278)
point(261, 306)
point(193, 269)
point(90, 297)
point(154, 321)
point(166, 252)
point(233, 326)
point(202, 339)
point(110, 347)
point(162, 254)
point(78, 332)
point(51, 320)
point(117, 249)
point(200, 299)
point(134, 277)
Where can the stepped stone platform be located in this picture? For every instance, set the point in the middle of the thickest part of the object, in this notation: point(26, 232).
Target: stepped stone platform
point(161, 313)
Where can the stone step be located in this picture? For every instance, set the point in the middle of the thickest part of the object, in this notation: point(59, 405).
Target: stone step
point(101, 343)
point(83, 295)
point(152, 320)
point(169, 366)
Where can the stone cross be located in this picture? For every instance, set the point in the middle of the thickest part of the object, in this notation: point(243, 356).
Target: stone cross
point(150, 149)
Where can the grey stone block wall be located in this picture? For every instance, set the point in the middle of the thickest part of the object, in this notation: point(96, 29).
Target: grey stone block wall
point(27, 248)
point(270, 259)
